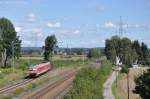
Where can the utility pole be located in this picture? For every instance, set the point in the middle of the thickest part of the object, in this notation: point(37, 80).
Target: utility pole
point(68, 50)
point(128, 85)
point(0, 44)
point(60, 54)
point(121, 31)
point(60, 46)
point(1, 47)
point(13, 55)
point(83, 58)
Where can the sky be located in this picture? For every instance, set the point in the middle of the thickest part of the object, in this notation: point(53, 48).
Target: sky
point(77, 23)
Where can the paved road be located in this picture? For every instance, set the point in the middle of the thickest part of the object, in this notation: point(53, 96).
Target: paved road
point(107, 93)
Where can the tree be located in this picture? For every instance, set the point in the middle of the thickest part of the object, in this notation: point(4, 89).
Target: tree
point(110, 50)
point(122, 48)
point(50, 44)
point(79, 51)
point(17, 47)
point(8, 37)
point(137, 47)
point(145, 53)
point(142, 52)
point(94, 53)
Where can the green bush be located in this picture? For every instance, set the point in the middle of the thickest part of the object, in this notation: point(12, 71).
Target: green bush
point(89, 82)
point(143, 85)
point(124, 69)
point(17, 91)
point(106, 67)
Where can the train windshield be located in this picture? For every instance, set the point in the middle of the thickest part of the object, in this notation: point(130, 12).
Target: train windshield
point(32, 68)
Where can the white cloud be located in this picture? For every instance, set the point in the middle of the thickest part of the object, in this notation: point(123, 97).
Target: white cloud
point(13, 2)
point(27, 43)
point(108, 25)
point(103, 41)
point(36, 30)
point(54, 25)
point(18, 29)
point(76, 32)
point(40, 35)
point(69, 32)
point(31, 17)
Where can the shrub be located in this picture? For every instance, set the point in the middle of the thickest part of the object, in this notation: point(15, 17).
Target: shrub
point(89, 82)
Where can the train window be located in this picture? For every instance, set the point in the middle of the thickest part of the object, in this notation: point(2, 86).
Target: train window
point(32, 68)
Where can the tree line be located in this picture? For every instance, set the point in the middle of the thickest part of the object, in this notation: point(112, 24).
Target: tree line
point(129, 52)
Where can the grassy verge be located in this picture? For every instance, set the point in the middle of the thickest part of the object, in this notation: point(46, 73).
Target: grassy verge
point(9, 75)
point(89, 82)
point(115, 89)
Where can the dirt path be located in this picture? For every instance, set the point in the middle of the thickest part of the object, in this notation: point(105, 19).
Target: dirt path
point(107, 92)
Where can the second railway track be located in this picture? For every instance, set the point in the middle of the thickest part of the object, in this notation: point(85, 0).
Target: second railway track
point(40, 94)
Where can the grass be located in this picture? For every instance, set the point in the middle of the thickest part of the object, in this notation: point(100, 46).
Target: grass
point(9, 75)
point(70, 63)
point(56, 57)
point(29, 87)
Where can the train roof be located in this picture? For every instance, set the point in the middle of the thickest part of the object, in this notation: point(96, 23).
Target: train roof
point(39, 65)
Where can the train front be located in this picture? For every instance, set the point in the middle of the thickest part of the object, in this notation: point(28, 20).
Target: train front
point(33, 71)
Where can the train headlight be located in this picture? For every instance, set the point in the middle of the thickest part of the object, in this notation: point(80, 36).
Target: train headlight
point(33, 69)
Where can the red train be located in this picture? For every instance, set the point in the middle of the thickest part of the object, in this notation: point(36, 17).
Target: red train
point(39, 69)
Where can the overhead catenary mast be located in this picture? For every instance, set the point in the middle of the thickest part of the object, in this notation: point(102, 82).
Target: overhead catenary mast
point(120, 27)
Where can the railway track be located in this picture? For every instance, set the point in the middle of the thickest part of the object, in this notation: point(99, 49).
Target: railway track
point(40, 94)
point(13, 86)
point(21, 83)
